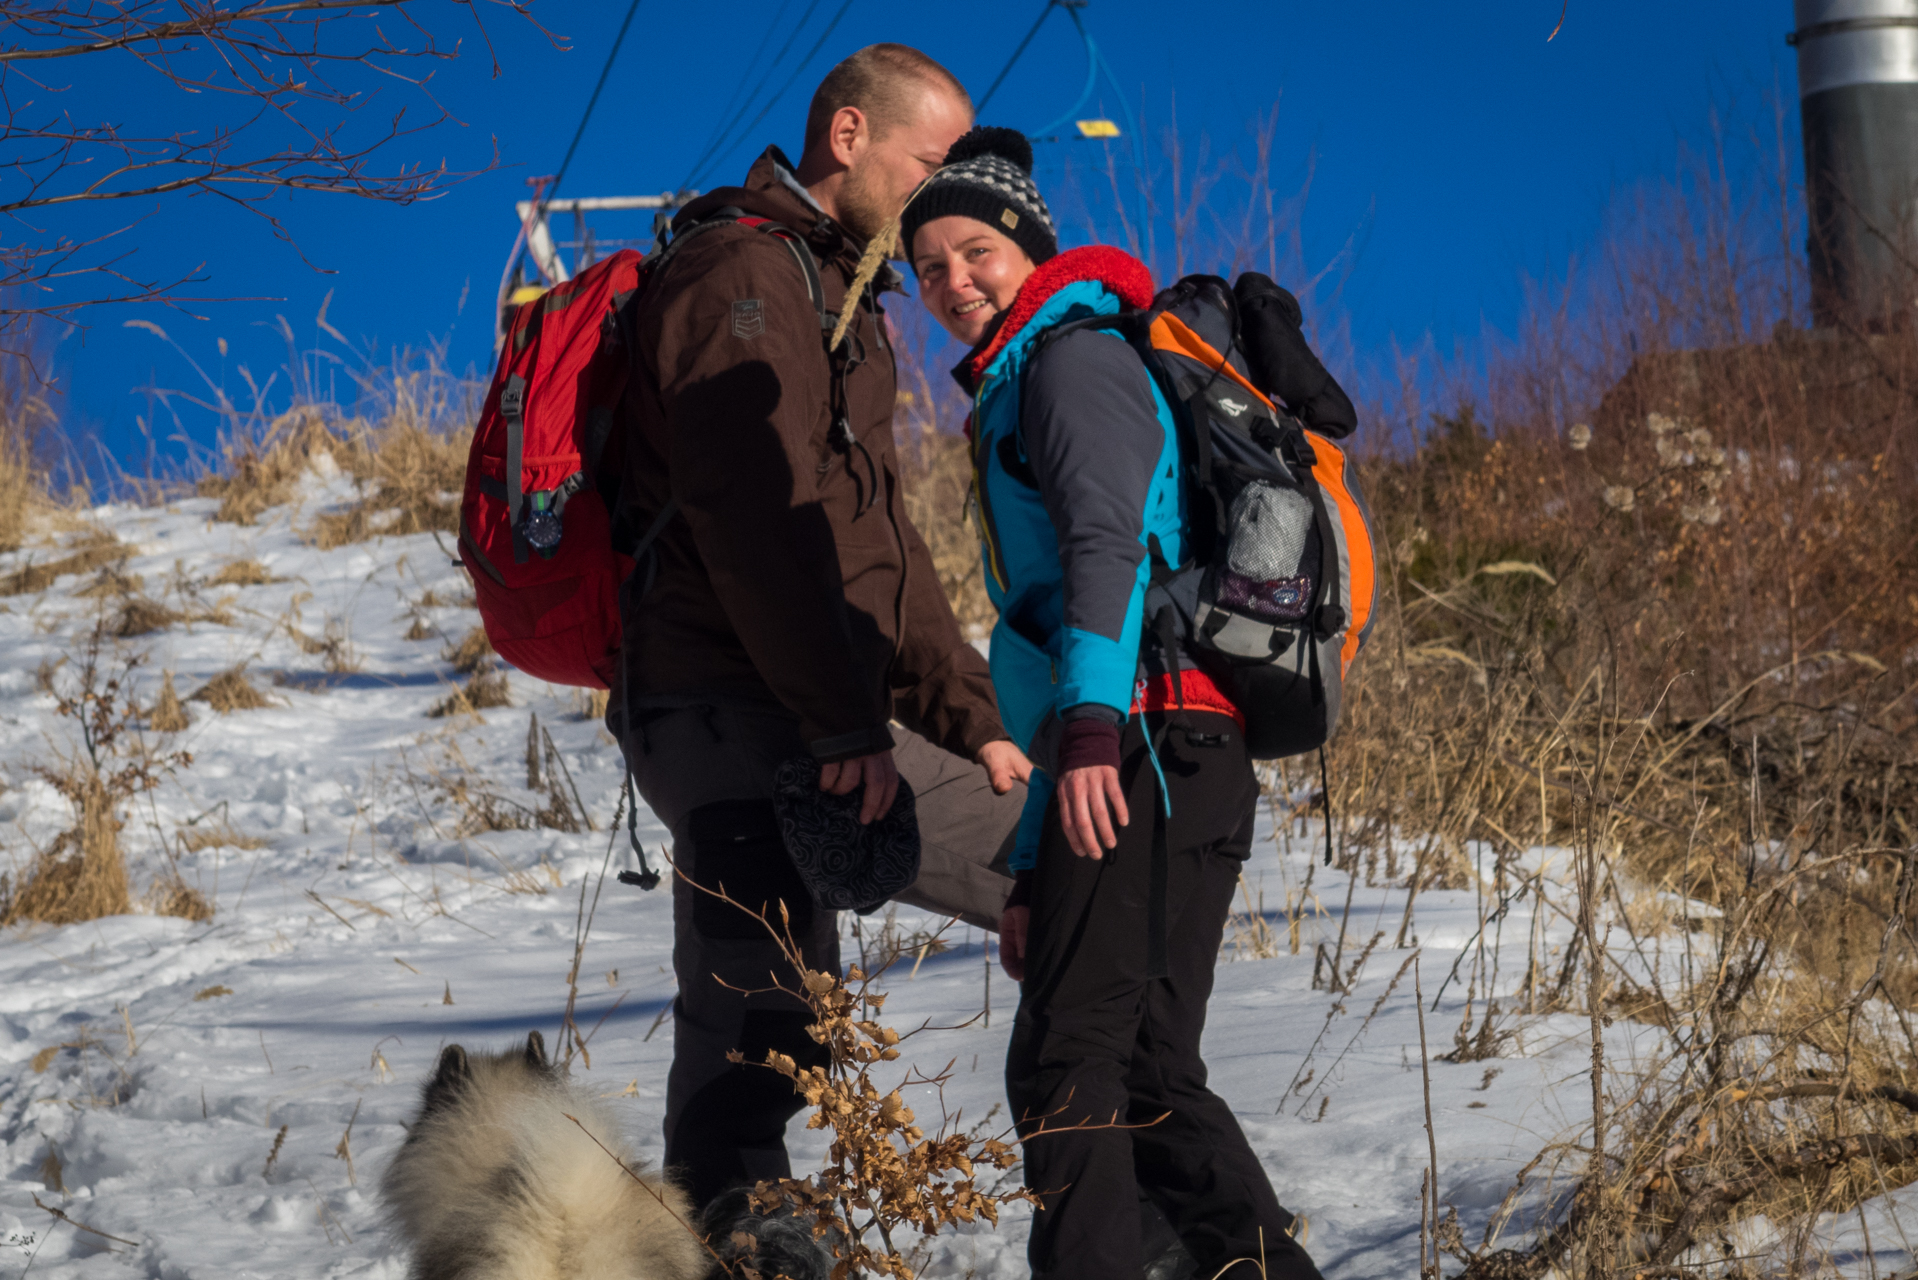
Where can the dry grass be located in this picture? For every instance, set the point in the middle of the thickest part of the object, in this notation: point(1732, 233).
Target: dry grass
point(936, 473)
point(242, 573)
point(141, 616)
point(231, 691)
point(168, 716)
point(420, 630)
point(409, 475)
point(333, 646)
point(25, 414)
point(261, 469)
point(82, 874)
point(91, 551)
point(473, 654)
point(486, 689)
point(223, 836)
point(112, 581)
point(171, 895)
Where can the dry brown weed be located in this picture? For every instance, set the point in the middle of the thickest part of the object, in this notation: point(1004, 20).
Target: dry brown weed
point(90, 552)
point(168, 716)
point(261, 470)
point(486, 689)
point(231, 691)
point(474, 653)
point(242, 573)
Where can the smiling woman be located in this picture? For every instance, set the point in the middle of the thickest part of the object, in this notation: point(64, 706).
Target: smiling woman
point(976, 230)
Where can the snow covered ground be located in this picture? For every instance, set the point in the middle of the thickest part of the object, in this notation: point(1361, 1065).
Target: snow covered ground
point(186, 1090)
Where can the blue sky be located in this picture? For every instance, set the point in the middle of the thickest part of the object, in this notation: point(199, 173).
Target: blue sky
point(1453, 152)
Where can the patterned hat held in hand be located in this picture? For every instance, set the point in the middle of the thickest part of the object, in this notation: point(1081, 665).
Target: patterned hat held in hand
point(846, 866)
point(987, 177)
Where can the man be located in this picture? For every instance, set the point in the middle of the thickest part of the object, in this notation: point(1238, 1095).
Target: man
point(792, 609)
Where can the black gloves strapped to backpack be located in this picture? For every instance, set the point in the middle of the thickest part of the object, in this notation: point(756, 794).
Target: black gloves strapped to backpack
point(1282, 362)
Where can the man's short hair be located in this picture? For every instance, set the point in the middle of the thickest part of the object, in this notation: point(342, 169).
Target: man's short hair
point(883, 81)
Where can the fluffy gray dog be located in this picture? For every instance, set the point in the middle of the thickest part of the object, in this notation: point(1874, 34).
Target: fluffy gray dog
point(496, 1182)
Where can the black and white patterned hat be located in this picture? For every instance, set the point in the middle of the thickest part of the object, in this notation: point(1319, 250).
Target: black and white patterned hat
point(987, 176)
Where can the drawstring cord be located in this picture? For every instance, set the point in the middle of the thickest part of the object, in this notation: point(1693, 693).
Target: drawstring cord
point(646, 878)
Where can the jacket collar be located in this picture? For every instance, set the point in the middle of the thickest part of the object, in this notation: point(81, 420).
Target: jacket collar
point(772, 191)
point(1123, 275)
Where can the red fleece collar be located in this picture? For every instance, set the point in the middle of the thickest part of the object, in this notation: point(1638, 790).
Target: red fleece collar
point(1116, 269)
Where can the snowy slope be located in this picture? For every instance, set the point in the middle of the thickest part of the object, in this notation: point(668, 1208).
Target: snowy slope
point(365, 931)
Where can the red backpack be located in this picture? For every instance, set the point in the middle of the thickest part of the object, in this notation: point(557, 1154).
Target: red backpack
point(541, 527)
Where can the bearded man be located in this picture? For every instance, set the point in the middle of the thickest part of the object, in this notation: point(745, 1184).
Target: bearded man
point(788, 610)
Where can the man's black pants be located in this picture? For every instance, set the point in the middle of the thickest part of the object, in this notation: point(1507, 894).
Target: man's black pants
point(706, 769)
point(1099, 1041)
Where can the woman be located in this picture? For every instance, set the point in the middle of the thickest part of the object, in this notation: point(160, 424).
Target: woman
point(1076, 474)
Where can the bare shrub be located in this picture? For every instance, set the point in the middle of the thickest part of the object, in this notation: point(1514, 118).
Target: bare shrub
point(231, 691)
point(884, 1173)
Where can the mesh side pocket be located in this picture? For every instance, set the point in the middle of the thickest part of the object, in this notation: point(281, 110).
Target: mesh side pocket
point(1269, 525)
point(1268, 570)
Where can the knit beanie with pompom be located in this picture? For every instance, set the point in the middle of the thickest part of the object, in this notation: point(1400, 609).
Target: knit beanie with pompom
point(987, 176)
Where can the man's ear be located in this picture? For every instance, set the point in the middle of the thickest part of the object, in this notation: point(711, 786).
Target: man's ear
point(847, 135)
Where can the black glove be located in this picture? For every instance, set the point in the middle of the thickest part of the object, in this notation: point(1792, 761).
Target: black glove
point(1282, 362)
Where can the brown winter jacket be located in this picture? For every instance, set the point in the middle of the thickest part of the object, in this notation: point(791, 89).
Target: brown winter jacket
point(784, 574)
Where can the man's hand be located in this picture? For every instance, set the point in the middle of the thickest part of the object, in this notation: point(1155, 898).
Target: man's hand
point(1005, 764)
point(1012, 941)
point(876, 772)
point(1091, 807)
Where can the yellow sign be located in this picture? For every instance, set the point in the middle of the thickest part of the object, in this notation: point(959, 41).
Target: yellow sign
point(1098, 129)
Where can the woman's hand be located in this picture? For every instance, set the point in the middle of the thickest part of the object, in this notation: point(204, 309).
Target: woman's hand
point(1012, 941)
point(1090, 804)
point(1005, 764)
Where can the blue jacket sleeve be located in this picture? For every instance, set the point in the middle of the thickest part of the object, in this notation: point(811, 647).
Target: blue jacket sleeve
point(1094, 438)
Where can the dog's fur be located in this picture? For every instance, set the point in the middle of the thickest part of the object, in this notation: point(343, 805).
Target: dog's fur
point(494, 1182)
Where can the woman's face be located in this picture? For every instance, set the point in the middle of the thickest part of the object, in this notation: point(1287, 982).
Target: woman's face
point(968, 273)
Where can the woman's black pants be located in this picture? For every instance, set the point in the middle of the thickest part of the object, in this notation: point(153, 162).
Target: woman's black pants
point(1103, 1071)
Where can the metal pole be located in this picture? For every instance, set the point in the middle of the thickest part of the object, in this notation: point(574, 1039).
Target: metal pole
point(1858, 99)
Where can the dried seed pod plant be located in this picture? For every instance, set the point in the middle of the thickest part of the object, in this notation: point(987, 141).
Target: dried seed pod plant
point(884, 1174)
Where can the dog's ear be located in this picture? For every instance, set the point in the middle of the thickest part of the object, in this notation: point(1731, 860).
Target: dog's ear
point(448, 1082)
point(453, 1069)
point(536, 1052)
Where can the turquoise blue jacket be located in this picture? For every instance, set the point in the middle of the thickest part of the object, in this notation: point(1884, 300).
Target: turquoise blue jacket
point(1075, 473)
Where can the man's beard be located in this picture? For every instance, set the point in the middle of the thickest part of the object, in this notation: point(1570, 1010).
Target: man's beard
point(863, 205)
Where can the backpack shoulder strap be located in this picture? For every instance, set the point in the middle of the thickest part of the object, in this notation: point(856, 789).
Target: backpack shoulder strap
point(794, 242)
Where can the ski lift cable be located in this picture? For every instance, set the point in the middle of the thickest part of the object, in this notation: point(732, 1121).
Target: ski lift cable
point(1007, 69)
point(798, 68)
point(593, 101)
point(1092, 78)
point(721, 139)
point(747, 79)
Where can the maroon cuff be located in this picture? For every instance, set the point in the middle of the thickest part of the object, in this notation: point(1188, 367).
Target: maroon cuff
point(1021, 895)
point(1087, 743)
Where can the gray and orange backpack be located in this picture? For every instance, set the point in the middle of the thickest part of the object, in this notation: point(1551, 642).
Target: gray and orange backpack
point(1278, 595)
